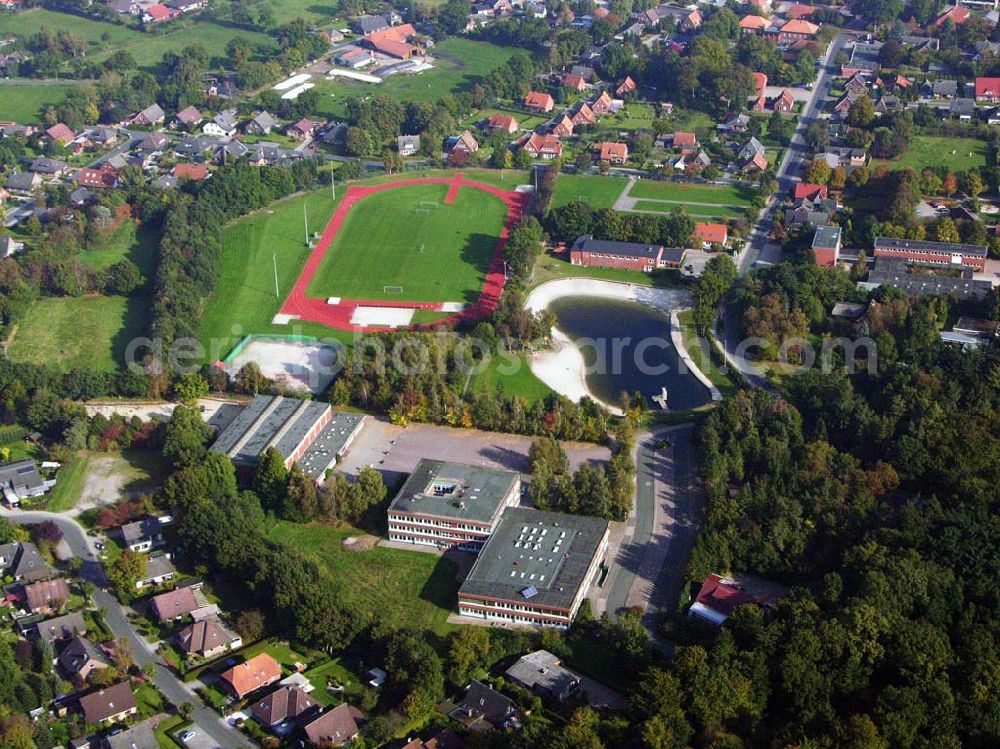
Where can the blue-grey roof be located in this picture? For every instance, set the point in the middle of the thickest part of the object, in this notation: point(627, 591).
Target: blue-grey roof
point(454, 490)
point(826, 237)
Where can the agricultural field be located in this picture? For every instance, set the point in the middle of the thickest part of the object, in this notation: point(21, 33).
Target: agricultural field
point(407, 239)
point(461, 63)
point(691, 193)
point(598, 192)
point(958, 154)
point(26, 102)
point(408, 588)
point(89, 332)
point(147, 48)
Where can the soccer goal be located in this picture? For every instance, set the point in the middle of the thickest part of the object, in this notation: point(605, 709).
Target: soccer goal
point(392, 289)
point(430, 205)
point(422, 211)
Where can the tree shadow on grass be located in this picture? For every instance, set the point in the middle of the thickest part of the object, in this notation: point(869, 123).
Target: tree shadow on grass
point(478, 252)
point(135, 322)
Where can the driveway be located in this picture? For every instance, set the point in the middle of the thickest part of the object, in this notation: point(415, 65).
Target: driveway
point(206, 722)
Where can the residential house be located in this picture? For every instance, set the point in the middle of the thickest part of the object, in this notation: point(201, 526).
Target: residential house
point(864, 59)
point(61, 134)
point(159, 569)
point(151, 115)
point(408, 145)
point(536, 101)
point(21, 559)
point(79, 658)
point(446, 739)
point(603, 105)
point(845, 102)
point(152, 143)
point(465, 143)
point(753, 24)
point(582, 115)
point(751, 148)
point(109, 705)
point(253, 674)
point(684, 140)
point(396, 41)
point(62, 627)
point(48, 167)
point(185, 6)
point(159, 13)
point(755, 164)
point(710, 234)
point(920, 43)
point(206, 639)
point(187, 118)
point(797, 30)
point(962, 109)
point(543, 146)
point(719, 597)
point(502, 122)
point(573, 82)
point(626, 87)
point(563, 127)
point(783, 103)
point(261, 123)
point(282, 705)
point(301, 130)
point(945, 88)
point(10, 246)
point(125, 7)
point(232, 151)
point(365, 25)
point(987, 90)
point(100, 177)
point(223, 125)
point(957, 14)
point(46, 596)
point(335, 727)
point(484, 707)
point(543, 672)
point(141, 535)
point(888, 104)
point(809, 191)
point(759, 84)
point(613, 153)
point(139, 736)
point(23, 182)
point(738, 123)
point(173, 604)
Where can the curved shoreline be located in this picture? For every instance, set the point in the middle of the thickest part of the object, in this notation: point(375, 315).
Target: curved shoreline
point(562, 368)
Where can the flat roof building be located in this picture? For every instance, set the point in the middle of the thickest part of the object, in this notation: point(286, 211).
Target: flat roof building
point(309, 433)
point(938, 253)
point(536, 568)
point(451, 504)
point(543, 672)
point(826, 245)
point(917, 280)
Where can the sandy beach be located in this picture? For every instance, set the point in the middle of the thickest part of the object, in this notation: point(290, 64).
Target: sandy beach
point(562, 367)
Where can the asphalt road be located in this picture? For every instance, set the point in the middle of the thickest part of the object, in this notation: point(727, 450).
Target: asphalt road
point(206, 722)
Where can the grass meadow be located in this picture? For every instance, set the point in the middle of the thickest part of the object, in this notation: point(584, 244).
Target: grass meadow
point(26, 102)
point(934, 150)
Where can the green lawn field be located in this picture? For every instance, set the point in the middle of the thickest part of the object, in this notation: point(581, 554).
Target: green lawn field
point(699, 193)
point(521, 381)
point(147, 48)
point(26, 102)
point(707, 211)
point(407, 588)
point(435, 254)
point(127, 243)
point(89, 332)
point(933, 150)
point(461, 63)
point(598, 192)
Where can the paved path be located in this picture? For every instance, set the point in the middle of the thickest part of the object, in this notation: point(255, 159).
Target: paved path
point(177, 692)
point(652, 547)
point(625, 202)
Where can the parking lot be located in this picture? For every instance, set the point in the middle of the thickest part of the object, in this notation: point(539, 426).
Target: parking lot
point(396, 450)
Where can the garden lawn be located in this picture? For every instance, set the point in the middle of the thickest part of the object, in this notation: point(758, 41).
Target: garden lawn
point(436, 254)
point(598, 192)
point(521, 381)
point(69, 485)
point(691, 193)
point(25, 102)
point(89, 332)
point(460, 64)
point(697, 211)
point(407, 588)
point(127, 243)
point(934, 150)
point(147, 48)
point(332, 672)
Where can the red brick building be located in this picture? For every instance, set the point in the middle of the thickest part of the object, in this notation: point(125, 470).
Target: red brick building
point(629, 255)
point(935, 253)
point(826, 245)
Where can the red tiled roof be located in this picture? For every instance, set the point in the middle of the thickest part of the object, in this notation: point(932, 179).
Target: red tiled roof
point(610, 151)
point(281, 704)
point(255, 673)
point(539, 144)
point(574, 81)
point(502, 122)
point(108, 702)
point(538, 100)
point(685, 139)
point(800, 11)
point(46, 594)
point(808, 190)
point(61, 133)
point(158, 12)
point(336, 726)
point(800, 26)
point(721, 597)
point(627, 86)
point(196, 172)
point(174, 603)
point(989, 87)
point(753, 23)
point(712, 233)
point(760, 82)
point(957, 14)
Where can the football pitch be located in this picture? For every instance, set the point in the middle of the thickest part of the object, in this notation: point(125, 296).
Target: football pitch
point(407, 244)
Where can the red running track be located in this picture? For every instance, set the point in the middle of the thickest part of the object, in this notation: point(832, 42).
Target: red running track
point(338, 316)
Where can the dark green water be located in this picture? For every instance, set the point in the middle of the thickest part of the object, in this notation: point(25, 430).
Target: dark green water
point(647, 360)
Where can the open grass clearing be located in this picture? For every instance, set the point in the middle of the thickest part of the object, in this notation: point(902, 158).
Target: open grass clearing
point(460, 64)
point(597, 192)
point(406, 588)
point(709, 211)
point(128, 242)
point(691, 193)
point(512, 373)
point(408, 239)
point(88, 332)
point(958, 154)
point(25, 102)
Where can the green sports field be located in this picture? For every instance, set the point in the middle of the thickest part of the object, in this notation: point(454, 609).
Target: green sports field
point(437, 253)
point(598, 192)
point(699, 193)
point(695, 211)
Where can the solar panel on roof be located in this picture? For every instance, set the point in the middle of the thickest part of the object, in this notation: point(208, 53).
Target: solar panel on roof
point(530, 592)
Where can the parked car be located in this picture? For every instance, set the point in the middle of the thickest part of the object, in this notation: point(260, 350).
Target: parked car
point(186, 736)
